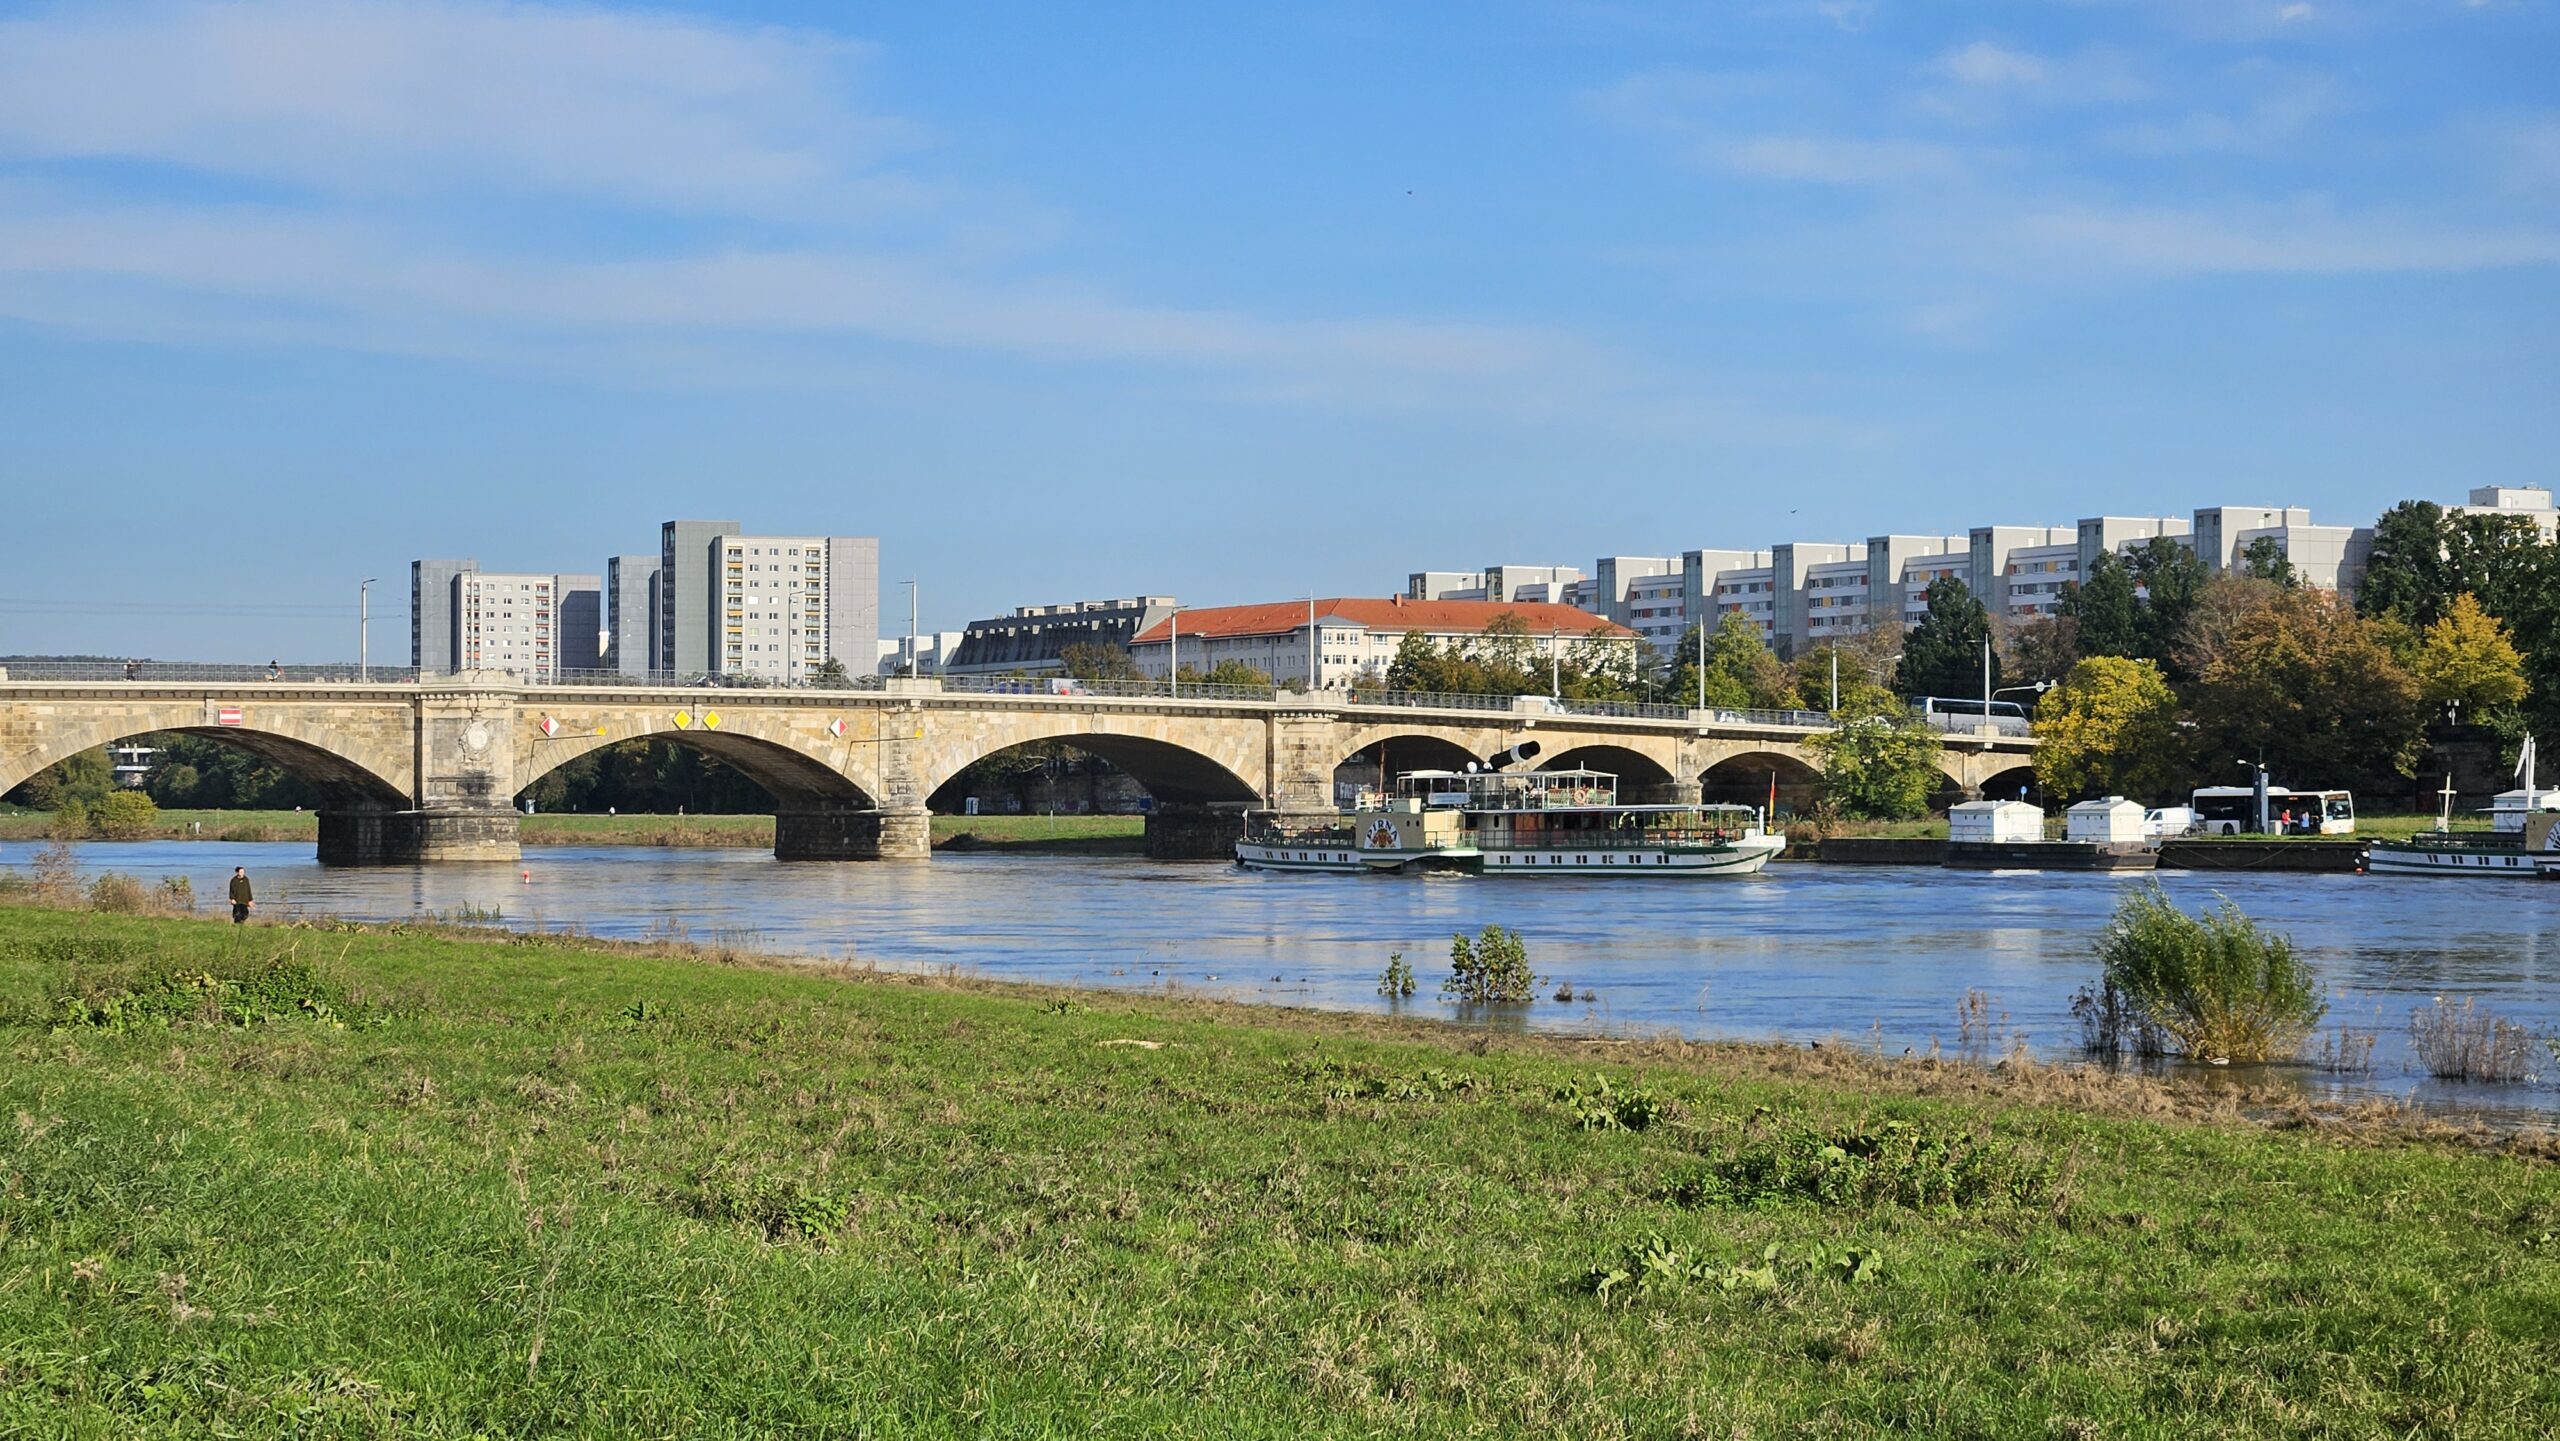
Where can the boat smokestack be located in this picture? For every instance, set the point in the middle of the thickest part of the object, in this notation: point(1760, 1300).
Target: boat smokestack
point(1525, 751)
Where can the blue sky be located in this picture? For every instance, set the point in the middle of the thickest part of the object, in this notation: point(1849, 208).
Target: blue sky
point(1066, 301)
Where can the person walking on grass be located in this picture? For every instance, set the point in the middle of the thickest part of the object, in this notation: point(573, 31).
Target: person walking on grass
point(243, 901)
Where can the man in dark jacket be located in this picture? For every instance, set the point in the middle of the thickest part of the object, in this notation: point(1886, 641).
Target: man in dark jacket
point(242, 902)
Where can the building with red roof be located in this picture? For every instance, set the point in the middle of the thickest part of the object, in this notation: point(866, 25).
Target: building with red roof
point(1349, 637)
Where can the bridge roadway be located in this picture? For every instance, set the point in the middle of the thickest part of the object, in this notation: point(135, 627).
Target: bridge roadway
point(428, 771)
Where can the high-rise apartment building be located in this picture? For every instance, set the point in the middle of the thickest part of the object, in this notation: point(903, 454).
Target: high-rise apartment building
point(431, 620)
point(1658, 609)
point(688, 598)
point(580, 599)
point(630, 614)
point(1613, 576)
point(507, 622)
point(775, 608)
point(2330, 557)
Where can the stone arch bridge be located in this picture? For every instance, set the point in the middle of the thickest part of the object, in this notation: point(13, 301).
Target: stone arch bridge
point(429, 771)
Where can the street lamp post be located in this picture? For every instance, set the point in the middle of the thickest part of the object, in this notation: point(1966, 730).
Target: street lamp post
point(1173, 654)
point(2258, 790)
point(914, 658)
point(364, 628)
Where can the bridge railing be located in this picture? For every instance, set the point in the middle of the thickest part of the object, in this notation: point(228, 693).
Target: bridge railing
point(1063, 686)
point(1432, 700)
point(195, 673)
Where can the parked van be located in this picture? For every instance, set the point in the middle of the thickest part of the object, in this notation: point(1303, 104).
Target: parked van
point(2161, 821)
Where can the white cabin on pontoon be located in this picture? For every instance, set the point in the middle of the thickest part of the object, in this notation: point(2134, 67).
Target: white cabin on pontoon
point(2110, 819)
point(1994, 823)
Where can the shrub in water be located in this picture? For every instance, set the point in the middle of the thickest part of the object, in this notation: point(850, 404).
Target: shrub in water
point(2111, 1027)
point(1397, 979)
point(2220, 988)
point(1490, 970)
point(2465, 1043)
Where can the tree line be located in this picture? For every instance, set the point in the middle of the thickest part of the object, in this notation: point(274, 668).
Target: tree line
point(2172, 676)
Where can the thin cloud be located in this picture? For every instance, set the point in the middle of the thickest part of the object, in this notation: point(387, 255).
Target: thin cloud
point(362, 98)
point(2308, 241)
point(1985, 64)
point(388, 144)
point(1832, 160)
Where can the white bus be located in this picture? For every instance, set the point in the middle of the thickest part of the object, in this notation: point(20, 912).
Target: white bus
point(2233, 811)
point(1959, 715)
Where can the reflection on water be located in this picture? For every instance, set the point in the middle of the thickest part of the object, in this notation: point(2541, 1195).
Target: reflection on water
point(1873, 955)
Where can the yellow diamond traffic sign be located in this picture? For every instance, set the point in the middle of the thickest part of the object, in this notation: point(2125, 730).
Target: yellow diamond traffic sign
point(684, 720)
point(710, 720)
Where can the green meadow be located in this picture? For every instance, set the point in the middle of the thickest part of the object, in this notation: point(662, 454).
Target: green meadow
point(284, 1181)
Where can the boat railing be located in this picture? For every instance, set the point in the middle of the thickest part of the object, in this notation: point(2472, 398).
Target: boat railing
point(1608, 840)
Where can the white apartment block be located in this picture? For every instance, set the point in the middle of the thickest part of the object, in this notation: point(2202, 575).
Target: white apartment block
point(1802, 593)
point(2330, 557)
point(2531, 502)
point(1835, 598)
point(1613, 576)
point(1658, 608)
point(787, 604)
point(507, 622)
point(1718, 583)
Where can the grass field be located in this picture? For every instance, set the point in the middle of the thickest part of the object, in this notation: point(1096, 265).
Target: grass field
point(1065, 834)
point(270, 1182)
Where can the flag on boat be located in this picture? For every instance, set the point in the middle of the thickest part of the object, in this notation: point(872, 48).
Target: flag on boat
point(2524, 763)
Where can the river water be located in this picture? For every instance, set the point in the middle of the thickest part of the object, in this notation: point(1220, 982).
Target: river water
point(1869, 956)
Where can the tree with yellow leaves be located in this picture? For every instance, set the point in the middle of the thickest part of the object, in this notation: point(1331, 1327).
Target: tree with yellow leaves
point(2110, 728)
point(2467, 659)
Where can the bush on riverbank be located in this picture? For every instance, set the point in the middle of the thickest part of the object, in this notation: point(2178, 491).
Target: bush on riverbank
point(2216, 985)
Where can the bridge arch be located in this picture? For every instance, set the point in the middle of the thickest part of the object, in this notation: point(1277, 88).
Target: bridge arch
point(1383, 757)
point(1745, 778)
point(347, 774)
point(2004, 785)
point(1209, 765)
point(795, 779)
point(1642, 777)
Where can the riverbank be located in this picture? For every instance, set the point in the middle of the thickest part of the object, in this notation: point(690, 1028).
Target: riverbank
point(1065, 835)
point(363, 1180)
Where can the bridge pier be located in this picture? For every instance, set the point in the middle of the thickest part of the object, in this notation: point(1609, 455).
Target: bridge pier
point(407, 838)
point(838, 835)
point(1195, 830)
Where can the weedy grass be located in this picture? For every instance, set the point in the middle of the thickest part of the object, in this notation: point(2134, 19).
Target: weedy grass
point(490, 1186)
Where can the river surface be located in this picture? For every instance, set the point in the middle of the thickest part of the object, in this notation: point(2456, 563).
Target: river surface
point(1867, 956)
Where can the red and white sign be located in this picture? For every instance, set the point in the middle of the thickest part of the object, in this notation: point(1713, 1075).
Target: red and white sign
point(229, 715)
point(550, 727)
point(836, 728)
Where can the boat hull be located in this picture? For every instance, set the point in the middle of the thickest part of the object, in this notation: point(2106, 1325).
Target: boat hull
point(2471, 862)
point(1740, 858)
